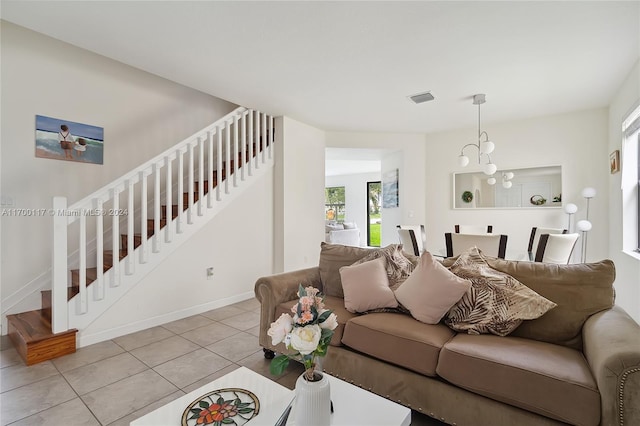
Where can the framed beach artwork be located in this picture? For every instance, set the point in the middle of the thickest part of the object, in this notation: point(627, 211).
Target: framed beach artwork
point(390, 189)
point(58, 139)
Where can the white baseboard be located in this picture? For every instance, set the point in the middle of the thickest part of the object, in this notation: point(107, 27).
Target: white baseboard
point(84, 339)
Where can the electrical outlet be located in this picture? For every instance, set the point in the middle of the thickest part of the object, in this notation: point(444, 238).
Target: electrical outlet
point(210, 273)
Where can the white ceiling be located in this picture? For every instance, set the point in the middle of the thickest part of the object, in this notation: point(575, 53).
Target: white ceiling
point(350, 65)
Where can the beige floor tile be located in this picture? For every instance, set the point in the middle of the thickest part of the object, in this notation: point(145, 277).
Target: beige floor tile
point(191, 367)
point(124, 421)
point(211, 378)
point(19, 374)
point(87, 355)
point(223, 313)
point(258, 363)
point(143, 338)
point(72, 412)
point(164, 350)
point(252, 305)
point(94, 376)
point(236, 347)
point(209, 334)
point(34, 398)
point(5, 342)
point(185, 324)
point(244, 321)
point(126, 396)
point(10, 357)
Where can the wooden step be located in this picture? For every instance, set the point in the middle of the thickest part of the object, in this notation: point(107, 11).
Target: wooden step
point(107, 257)
point(32, 337)
point(45, 300)
point(92, 275)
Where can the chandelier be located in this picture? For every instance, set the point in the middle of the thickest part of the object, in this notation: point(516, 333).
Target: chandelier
point(484, 147)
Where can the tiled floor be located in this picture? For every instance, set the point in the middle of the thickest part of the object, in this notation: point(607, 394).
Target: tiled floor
point(117, 381)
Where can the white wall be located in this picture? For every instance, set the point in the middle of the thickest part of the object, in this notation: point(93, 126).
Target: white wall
point(299, 195)
point(356, 198)
point(409, 159)
point(627, 266)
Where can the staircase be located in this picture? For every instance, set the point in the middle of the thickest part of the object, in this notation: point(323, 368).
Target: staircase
point(134, 227)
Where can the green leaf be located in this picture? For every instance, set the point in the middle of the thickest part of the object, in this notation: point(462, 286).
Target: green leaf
point(243, 404)
point(203, 404)
point(228, 421)
point(324, 316)
point(301, 291)
point(220, 401)
point(237, 402)
point(279, 364)
point(196, 410)
point(245, 410)
point(195, 416)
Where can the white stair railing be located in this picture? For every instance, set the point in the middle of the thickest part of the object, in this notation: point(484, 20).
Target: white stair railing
point(124, 204)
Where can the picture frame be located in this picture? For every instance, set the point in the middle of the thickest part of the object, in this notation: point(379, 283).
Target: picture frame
point(67, 140)
point(390, 198)
point(614, 161)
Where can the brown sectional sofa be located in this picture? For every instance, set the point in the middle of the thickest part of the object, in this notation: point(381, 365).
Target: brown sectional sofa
point(578, 364)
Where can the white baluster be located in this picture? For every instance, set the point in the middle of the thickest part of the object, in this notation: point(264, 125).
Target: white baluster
point(243, 145)
point(115, 237)
point(59, 269)
point(227, 157)
point(130, 269)
point(143, 217)
point(219, 165)
point(210, 169)
point(157, 208)
point(180, 218)
point(98, 285)
point(250, 141)
point(272, 135)
point(190, 183)
point(82, 248)
point(168, 235)
point(200, 176)
point(265, 135)
point(236, 159)
point(258, 140)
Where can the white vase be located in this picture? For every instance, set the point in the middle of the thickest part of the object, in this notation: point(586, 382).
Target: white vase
point(312, 405)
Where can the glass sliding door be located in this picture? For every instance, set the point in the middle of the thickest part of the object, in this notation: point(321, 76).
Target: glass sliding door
point(374, 220)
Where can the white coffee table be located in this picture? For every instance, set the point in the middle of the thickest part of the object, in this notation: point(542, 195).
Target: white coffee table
point(352, 405)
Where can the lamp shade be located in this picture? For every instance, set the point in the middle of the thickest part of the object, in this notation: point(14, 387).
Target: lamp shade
point(589, 192)
point(489, 168)
point(507, 184)
point(570, 208)
point(463, 160)
point(584, 225)
point(487, 147)
point(509, 175)
point(491, 181)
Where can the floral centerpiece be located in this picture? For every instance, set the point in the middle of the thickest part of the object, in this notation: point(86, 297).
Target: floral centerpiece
point(307, 334)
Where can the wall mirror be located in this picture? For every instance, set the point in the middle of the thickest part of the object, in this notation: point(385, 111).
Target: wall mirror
point(534, 187)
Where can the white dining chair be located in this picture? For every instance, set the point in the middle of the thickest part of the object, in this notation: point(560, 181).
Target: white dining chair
point(490, 244)
point(419, 241)
point(473, 229)
point(556, 248)
point(535, 238)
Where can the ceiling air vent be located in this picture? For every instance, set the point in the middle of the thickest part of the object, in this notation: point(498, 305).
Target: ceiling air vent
point(422, 97)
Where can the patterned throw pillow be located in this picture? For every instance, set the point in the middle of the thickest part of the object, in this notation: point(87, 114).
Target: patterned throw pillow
point(496, 302)
point(397, 265)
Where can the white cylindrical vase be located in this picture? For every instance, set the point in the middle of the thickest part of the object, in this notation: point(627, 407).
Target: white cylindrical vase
point(312, 406)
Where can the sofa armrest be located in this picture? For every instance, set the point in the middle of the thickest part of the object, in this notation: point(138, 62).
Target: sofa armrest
point(612, 348)
point(276, 289)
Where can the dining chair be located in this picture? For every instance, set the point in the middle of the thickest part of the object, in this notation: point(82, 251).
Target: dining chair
point(535, 238)
point(490, 244)
point(419, 235)
point(473, 229)
point(556, 248)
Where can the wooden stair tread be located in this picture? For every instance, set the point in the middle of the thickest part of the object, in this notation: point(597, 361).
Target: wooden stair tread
point(34, 326)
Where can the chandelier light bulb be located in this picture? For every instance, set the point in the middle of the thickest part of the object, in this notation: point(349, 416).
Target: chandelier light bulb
point(463, 160)
point(589, 192)
point(491, 181)
point(489, 168)
point(584, 225)
point(487, 147)
point(507, 184)
point(570, 208)
point(509, 175)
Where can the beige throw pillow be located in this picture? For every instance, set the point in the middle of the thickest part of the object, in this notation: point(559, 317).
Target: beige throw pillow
point(366, 287)
point(431, 290)
point(396, 263)
point(496, 302)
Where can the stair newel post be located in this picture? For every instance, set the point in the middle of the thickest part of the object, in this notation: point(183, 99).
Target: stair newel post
point(130, 269)
point(156, 209)
point(236, 154)
point(82, 248)
point(190, 167)
point(263, 139)
point(227, 156)
point(180, 217)
point(250, 141)
point(115, 237)
point(59, 270)
point(243, 144)
point(219, 165)
point(210, 169)
point(98, 286)
point(143, 216)
point(258, 140)
point(169, 217)
point(271, 133)
point(200, 176)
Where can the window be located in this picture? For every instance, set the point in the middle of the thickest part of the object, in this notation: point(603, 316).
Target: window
point(631, 182)
point(374, 202)
point(334, 201)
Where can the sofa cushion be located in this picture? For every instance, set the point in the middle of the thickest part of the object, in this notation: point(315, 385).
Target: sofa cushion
point(398, 339)
point(366, 286)
point(335, 304)
point(332, 258)
point(496, 302)
point(431, 290)
point(579, 290)
point(548, 379)
point(398, 266)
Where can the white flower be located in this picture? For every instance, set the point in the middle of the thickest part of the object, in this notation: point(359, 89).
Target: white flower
point(305, 339)
point(280, 328)
point(330, 323)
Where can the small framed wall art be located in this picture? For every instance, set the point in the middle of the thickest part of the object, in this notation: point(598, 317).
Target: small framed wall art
point(67, 140)
point(614, 161)
point(390, 197)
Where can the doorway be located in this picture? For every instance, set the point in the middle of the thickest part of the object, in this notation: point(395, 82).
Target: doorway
point(374, 218)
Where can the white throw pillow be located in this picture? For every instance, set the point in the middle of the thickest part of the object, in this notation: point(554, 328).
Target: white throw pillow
point(366, 287)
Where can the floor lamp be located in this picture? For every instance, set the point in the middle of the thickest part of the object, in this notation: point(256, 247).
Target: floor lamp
point(585, 226)
point(570, 209)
